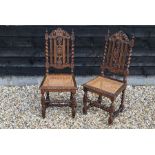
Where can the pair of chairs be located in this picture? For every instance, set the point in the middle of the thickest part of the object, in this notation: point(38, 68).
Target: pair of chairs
point(59, 54)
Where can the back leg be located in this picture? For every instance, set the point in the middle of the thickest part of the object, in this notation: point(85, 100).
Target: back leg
point(47, 98)
point(122, 101)
point(73, 104)
point(111, 113)
point(99, 99)
point(85, 98)
point(43, 104)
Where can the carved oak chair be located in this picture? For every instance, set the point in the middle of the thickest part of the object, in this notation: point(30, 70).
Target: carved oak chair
point(59, 55)
point(116, 60)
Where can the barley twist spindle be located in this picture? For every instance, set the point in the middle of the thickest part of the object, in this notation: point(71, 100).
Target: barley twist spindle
point(130, 54)
point(72, 50)
point(46, 52)
point(105, 51)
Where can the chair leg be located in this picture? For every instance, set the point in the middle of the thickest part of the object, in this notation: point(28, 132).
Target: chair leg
point(110, 121)
point(122, 101)
point(99, 99)
point(43, 105)
point(85, 98)
point(47, 98)
point(71, 98)
point(73, 104)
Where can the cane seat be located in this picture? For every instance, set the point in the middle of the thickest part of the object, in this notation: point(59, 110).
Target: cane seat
point(59, 81)
point(105, 85)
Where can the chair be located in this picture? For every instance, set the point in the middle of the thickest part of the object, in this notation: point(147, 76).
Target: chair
point(60, 55)
point(116, 60)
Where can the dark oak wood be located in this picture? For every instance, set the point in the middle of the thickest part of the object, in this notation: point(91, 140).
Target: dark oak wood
point(116, 60)
point(59, 54)
point(21, 49)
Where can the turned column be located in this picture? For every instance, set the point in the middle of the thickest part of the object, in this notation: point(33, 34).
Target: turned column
point(85, 98)
point(100, 99)
point(122, 101)
point(73, 104)
point(43, 104)
point(47, 99)
point(110, 121)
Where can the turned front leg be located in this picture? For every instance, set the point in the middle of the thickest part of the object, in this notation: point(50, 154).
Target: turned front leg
point(47, 99)
point(73, 104)
point(99, 99)
point(111, 113)
point(122, 101)
point(47, 96)
point(43, 104)
point(85, 98)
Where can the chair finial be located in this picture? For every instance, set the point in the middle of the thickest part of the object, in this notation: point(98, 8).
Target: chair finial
point(108, 32)
point(46, 34)
point(132, 40)
point(73, 36)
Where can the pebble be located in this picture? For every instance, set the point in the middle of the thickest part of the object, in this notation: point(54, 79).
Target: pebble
point(20, 108)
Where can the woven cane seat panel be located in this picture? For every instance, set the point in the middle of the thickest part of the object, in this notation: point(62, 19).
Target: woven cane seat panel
point(59, 81)
point(105, 84)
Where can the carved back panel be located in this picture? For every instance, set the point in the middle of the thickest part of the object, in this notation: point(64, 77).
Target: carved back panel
point(61, 49)
point(117, 53)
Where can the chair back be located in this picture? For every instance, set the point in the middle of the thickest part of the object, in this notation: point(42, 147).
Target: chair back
point(59, 50)
point(117, 54)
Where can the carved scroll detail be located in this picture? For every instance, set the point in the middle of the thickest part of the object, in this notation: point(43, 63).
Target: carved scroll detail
point(61, 49)
point(117, 53)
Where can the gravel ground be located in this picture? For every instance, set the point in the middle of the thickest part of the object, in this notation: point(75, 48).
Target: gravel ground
point(20, 108)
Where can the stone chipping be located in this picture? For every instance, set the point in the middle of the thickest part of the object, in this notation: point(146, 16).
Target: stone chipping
point(20, 108)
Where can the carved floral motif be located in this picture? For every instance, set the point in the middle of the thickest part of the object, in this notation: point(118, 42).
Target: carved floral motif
point(116, 55)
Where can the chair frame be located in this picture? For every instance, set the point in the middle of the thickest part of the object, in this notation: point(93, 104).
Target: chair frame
point(122, 69)
point(52, 63)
